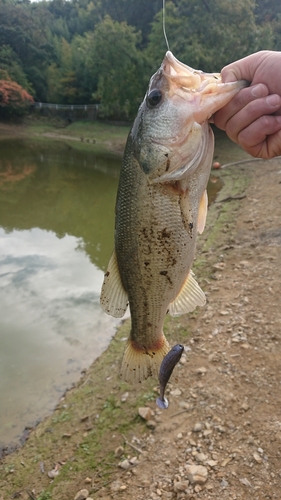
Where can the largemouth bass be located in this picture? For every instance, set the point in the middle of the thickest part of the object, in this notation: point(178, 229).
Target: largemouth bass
point(161, 205)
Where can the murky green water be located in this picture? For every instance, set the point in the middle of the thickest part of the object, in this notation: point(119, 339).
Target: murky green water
point(56, 236)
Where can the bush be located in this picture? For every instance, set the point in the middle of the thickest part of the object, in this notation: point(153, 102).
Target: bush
point(14, 99)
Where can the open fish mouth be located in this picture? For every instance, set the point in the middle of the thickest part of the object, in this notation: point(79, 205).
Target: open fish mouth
point(189, 79)
point(205, 92)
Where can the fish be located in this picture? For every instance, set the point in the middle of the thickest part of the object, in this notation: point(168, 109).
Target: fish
point(161, 205)
point(166, 369)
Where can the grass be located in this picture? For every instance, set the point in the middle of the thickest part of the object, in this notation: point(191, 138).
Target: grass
point(87, 129)
point(84, 135)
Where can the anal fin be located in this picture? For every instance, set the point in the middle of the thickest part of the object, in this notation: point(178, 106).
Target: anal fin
point(114, 298)
point(189, 297)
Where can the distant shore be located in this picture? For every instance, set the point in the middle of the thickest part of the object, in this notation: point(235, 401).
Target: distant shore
point(87, 134)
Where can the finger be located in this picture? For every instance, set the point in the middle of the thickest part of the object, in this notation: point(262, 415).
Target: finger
point(262, 138)
point(239, 101)
point(239, 70)
point(251, 113)
point(244, 69)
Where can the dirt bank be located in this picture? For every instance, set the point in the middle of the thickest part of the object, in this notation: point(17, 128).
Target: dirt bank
point(95, 135)
point(221, 435)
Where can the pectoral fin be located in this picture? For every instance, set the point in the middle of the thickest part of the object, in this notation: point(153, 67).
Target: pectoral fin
point(202, 214)
point(189, 297)
point(114, 298)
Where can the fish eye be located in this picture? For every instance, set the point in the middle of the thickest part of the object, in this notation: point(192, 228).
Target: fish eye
point(154, 98)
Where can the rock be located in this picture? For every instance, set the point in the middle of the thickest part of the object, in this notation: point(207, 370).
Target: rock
point(81, 495)
point(245, 481)
point(151, 424)
point(245, 263)
point(196, 474)
point(53, 473)
point(257, 458)
point(185, 405)
point(219, 266)
point(154, 496)
point(245, 406)
point(145, 413)
point(207, 432)
point(119, 451)
point(125, 464)
point(212, 463)
point(115, 485)
point(180, 486)
point(124, 397)
point(226, 461)
point(88, 480)
point(200, 457)
point(202, 370)
point(224, 483)
point(197, 427)
point(176, 392)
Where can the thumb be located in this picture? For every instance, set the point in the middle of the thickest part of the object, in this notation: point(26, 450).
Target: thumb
point(230, 75)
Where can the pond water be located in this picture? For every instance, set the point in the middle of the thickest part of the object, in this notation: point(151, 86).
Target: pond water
point(56, 237)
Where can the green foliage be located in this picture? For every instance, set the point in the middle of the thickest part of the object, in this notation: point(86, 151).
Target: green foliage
point(268, 15)
point(44, 495)
point(208, 35)
point(112, 58)
point(10, 62)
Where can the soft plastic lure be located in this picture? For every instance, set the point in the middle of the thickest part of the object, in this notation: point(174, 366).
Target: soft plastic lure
point(166, 369)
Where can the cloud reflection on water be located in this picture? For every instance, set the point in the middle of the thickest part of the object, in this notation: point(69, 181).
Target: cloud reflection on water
point(51, 325)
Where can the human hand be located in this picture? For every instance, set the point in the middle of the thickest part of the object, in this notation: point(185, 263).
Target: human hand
point(252, 118)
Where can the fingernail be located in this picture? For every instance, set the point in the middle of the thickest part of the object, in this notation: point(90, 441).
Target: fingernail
point(228, 76)
point(273, 100)
point(258, 90)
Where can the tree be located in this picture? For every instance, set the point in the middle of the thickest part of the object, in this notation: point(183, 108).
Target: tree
point(13, 98)
point(268, 14)
point(10, 62)
point(208, 34)
point(116, 65)
point(62, 80)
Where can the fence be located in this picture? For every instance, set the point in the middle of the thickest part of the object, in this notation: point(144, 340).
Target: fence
point(70, 112)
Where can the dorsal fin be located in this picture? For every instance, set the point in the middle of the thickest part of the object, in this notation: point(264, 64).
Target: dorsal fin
point(189, 297)
point(114, 298)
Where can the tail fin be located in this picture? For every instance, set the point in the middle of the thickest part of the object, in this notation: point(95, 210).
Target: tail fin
point(139, 364)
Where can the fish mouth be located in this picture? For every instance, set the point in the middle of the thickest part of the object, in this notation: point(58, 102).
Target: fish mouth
point(192, 81)
point(187, 78)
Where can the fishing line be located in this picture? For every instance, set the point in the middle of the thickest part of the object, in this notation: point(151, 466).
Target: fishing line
point(164, 24)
